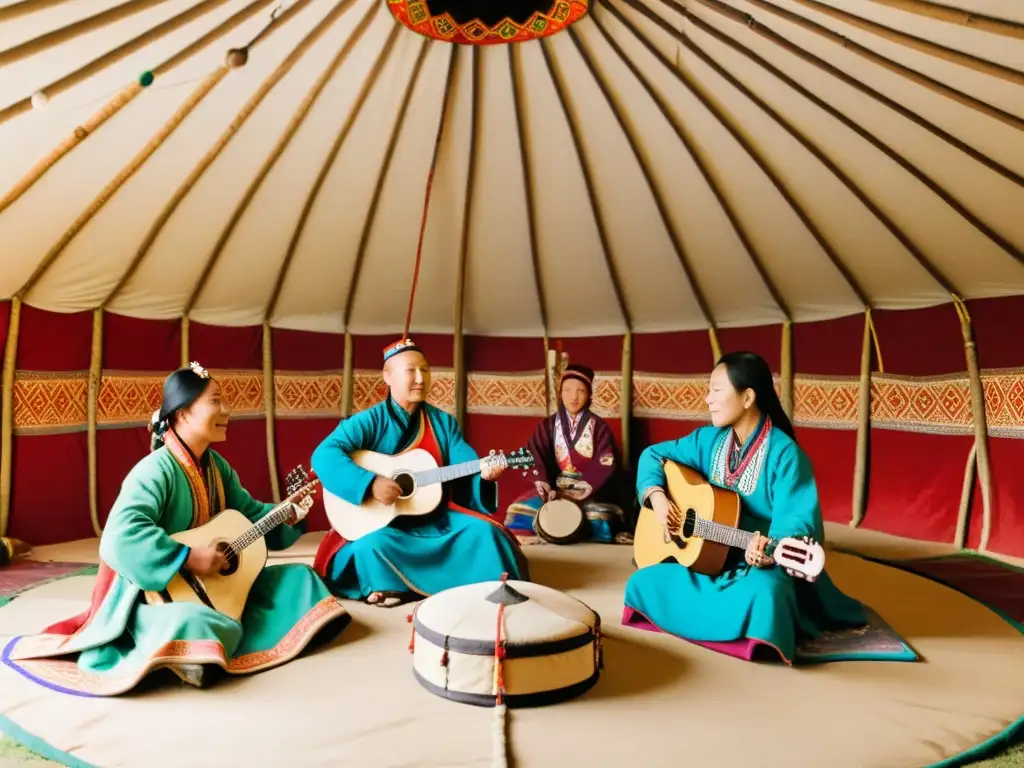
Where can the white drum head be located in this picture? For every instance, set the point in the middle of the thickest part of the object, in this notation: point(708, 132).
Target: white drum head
point(560, 519)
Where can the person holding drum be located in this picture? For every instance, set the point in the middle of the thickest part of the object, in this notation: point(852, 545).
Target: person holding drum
point(581, 492)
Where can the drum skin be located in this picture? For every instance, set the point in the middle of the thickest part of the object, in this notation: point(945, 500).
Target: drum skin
point(560, 522)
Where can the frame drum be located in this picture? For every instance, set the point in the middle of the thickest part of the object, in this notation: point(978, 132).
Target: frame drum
point(560, 522)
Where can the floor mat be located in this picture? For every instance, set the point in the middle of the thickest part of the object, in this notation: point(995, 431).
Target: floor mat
point(23, 575)
point(962, 693)
point(875, 641)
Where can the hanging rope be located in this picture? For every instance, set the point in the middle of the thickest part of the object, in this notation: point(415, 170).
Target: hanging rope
point(499, 743)
point(426, 209)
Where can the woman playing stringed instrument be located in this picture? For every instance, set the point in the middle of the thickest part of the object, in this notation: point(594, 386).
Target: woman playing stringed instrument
point(749, 448)
point(180, 485)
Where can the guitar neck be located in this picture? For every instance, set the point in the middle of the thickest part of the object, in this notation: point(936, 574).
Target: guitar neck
point(269, 521)
point(449, 473)
point(722, 534)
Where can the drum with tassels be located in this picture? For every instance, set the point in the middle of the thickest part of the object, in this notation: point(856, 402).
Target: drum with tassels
point(506, 642)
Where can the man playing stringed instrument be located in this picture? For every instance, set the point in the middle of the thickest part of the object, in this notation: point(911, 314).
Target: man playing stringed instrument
point(749, 448)
point(179, 486)
point(456, 544)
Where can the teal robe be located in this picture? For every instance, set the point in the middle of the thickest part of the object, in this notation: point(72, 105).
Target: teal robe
point(121, 638)
point(455, 545)
point(779, 498)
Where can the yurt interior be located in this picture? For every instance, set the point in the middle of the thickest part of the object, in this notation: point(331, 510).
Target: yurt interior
point(755, 265)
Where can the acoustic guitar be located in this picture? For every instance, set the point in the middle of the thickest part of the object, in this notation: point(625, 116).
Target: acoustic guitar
point(709, 529)
point(420, 479)
point(242, 544)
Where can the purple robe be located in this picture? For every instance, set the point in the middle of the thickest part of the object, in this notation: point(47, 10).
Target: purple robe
point(585, 466)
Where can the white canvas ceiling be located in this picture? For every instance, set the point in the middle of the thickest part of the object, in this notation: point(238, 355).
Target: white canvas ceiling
point(665, 165)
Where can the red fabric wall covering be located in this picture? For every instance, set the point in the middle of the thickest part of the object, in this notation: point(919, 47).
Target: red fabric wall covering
point(368, 351)
point(49, 501)
point(297, 438)
point(5, 319)
point(916, 477)
point(997, 324)
point(826, 358)
point(764, 340)
point(130, 346)
point(915, 482)
point(521, 402)
point(307, 351)
point(669, 381)
point(239, 349)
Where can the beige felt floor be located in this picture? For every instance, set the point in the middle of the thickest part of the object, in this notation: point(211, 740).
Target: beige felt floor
point(660, 702)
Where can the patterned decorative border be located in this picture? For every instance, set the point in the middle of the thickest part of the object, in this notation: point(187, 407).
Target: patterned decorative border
point(56, 402)
point(415, 15)
point(933, 404)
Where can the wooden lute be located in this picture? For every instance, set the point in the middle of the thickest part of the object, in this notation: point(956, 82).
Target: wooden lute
point(420, 479)
point(708, 530)
point(241, 542)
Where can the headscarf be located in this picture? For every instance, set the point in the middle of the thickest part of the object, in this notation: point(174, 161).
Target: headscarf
point(181, 389)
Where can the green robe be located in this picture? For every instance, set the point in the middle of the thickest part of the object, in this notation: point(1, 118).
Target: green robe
point(457, 544)
point(779, 498)
point(120, 639)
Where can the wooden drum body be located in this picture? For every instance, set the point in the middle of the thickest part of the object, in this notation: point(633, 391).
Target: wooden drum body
point(537, 645)
point(560, 522)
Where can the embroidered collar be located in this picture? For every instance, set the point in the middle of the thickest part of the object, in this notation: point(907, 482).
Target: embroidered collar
point(204, 479)
point(738, 456)
point(572, 426)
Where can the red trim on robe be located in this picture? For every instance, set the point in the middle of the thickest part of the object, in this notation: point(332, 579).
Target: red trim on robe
point(74, 625)
point(201, 515)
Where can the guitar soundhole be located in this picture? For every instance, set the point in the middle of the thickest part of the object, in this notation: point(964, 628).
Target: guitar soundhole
point(406, 483)
point(689, 523)
point(230, 555)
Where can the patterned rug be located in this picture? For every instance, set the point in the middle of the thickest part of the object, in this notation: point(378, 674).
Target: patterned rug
point(23, 575)
point(876, 641)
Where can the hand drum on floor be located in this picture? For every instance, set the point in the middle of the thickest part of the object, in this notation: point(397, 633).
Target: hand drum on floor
point(506, 642)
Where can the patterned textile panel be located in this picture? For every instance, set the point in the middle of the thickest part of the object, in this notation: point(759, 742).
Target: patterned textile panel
point(307, 401)
point(237, 351)
point(147, 350)
point(997, 325)
point(505, 402)
point(921, 415)
point(826, 406)
point(50, 473)
point(921, 431)
point(669, 386)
